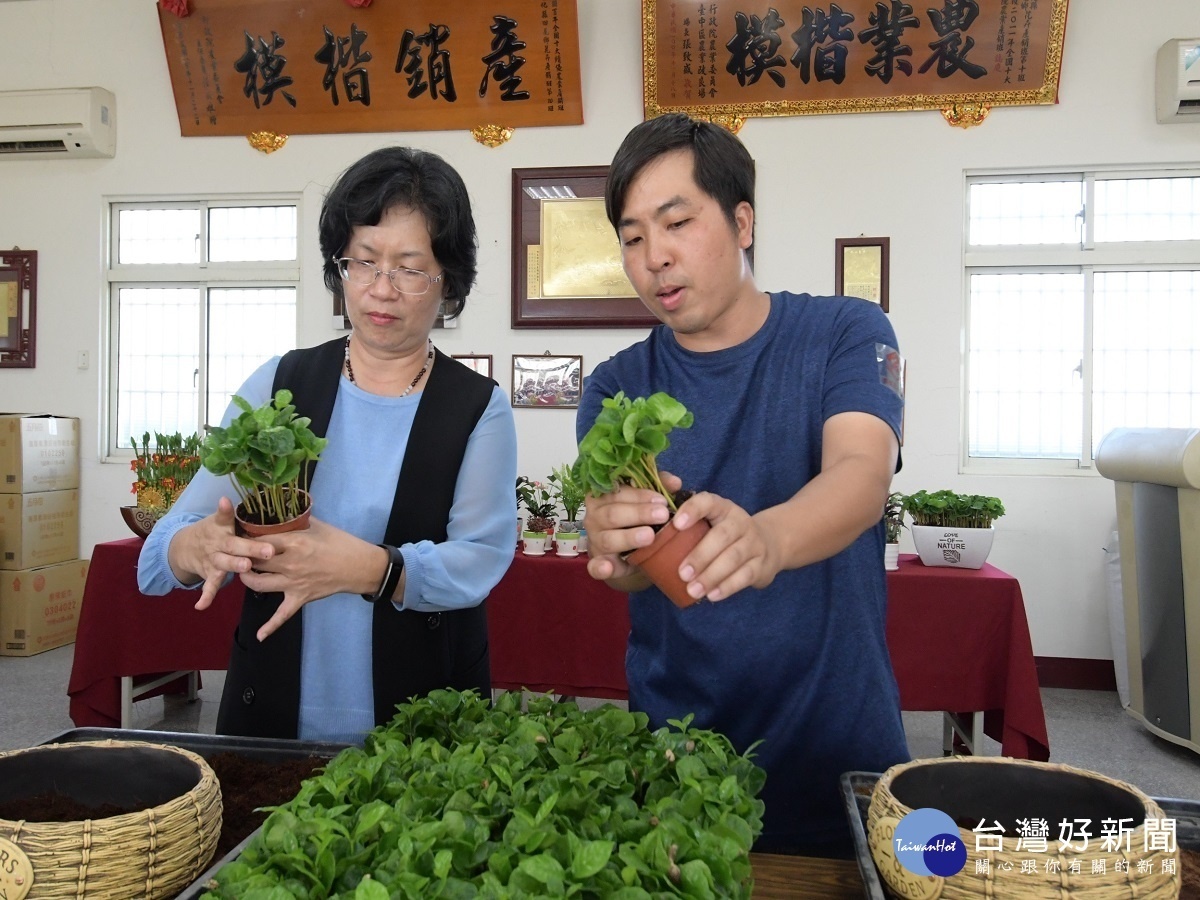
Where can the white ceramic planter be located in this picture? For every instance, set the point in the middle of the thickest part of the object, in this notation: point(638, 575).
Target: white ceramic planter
point(961, 548)
point(891, 557)
point(534, 543)
point(566, 543)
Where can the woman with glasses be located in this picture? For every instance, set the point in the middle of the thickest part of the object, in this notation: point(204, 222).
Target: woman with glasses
point(412, 498)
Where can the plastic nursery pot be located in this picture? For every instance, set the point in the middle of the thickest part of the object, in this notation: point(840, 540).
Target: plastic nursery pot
point(251, 528)
point(661, 560)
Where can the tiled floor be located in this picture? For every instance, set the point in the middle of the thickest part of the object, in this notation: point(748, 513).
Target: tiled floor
point(1087, 729)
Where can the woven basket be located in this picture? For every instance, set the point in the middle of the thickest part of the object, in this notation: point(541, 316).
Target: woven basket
point(969, 789)
point(152, 853)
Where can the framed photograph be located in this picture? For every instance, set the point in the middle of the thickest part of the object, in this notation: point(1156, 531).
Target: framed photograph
point(566, 268)
point(18, 308)
point(547, 381)
point(480, 364)
point(861, 268)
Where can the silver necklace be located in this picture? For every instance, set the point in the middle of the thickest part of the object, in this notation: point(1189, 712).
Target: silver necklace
point(413, 384)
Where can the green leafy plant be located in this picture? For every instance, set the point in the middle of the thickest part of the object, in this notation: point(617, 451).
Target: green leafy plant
point(264, 451)
point(163, 468)
point(567, 491)
point(950, 510)
point(538, 501)
point(893, 516)
point(456, 797)
point(622, 444)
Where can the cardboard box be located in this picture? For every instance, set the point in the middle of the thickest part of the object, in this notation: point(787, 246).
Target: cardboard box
point(38, 529)
point(39, 608)
point(38, 453)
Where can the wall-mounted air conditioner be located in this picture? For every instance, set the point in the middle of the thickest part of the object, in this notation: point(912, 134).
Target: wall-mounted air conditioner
point(49, 124)
point(1177, 81)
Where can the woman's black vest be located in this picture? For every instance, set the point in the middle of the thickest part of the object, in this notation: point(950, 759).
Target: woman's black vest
point(412, 653)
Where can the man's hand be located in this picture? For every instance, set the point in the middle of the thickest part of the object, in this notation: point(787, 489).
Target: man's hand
point(210, 549)
point(736, 553)
point(313, 564)
point(616, 524)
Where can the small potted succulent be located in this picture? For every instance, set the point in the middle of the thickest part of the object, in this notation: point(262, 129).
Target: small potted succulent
point(893, 523)
point(570, 494)
point(539, 525)
point(162, 469)
point(265, 452)
point(951, 529)
point(621, 448)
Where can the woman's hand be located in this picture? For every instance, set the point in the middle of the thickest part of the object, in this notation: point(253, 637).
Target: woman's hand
point(210, 549)
point(313, 564)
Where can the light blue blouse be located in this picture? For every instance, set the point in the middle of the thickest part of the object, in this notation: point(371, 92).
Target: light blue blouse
point(353, 489)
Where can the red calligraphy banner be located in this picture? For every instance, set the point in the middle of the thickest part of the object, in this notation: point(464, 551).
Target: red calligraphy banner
point(741, 58)
point(321, 66)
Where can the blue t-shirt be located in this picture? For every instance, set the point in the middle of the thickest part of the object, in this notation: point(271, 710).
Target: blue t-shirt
point(802, 665)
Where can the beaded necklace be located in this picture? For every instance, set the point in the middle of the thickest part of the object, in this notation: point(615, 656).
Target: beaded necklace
point(407, 390)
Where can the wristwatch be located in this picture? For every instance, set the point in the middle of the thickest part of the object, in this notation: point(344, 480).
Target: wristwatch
point(391, 575)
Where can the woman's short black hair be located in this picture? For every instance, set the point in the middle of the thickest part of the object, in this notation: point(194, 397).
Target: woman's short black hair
point(413, 179)
point(722, 166)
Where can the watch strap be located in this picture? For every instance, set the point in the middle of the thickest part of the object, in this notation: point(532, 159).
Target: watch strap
point(391, 575)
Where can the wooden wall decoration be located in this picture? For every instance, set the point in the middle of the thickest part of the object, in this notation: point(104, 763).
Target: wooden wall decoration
point(322, 66)
point(727, 60)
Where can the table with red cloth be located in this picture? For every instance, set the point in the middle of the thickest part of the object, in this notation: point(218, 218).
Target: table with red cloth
point(552, 627)
point(125, 632)
point(959, 641)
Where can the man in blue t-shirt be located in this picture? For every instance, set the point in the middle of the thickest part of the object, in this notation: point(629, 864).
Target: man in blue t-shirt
point(797, 411)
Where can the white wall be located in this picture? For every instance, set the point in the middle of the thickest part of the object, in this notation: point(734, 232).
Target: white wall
point(820, 177)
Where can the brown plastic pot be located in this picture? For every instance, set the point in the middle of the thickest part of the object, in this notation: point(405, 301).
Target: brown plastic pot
point(250, 528)
point(661, 560)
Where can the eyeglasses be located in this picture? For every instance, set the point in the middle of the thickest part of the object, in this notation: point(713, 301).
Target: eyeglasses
point(406, 281)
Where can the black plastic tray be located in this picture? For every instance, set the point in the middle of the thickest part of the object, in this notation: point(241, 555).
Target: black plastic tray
point(207, 745)
point(856, 796)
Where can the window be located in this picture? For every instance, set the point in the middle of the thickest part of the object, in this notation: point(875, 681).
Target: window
point(1083, 296)
point(200, 294)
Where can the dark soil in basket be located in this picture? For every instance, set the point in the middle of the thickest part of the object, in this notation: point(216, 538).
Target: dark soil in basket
point(1189, 869)
point(246, 784)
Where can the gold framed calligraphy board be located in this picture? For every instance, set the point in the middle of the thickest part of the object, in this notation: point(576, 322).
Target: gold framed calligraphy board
point(321, 66)
point(734, 59)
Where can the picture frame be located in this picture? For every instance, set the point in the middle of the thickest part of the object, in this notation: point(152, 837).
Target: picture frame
point(480, 363)
point(546, 381)
point(18, 308)
point(566, 259)
point(862, 268)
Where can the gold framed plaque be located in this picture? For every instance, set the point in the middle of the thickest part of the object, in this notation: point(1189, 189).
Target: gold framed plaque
point(566, 266)
point(861, 267)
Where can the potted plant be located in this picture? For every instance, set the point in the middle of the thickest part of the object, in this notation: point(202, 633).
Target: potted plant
point(539, 525)
point(620, 448)
point(893, 523)
point(265, 451)
point(951, 529)
point(162, 470)
point(570, 494)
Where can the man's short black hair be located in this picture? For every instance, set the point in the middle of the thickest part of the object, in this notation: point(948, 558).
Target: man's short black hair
point(411, 179)
point(722, 166)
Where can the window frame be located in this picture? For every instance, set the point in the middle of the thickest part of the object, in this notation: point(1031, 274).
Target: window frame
point(1086, 258)
point(203, 276)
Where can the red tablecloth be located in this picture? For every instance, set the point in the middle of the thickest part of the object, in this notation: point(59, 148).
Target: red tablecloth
point(551, 627)
point(960, 641)
point(124, 632)
point(958, 637)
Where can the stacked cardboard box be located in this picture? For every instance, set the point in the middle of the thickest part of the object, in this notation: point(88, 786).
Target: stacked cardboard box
point(41, 575)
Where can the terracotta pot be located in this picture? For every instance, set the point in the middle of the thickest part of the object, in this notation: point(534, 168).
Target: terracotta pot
point(661, 560)
point(258, 529)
